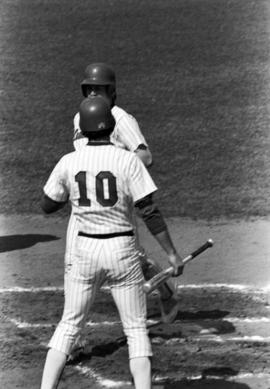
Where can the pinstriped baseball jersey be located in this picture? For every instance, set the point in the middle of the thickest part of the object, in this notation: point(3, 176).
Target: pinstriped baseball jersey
point(126, 134)
point(102, 182)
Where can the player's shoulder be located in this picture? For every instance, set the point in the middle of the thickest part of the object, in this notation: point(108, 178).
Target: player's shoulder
point(68, 157)
point(129, 156)
point(119, 114)
point(124, 154)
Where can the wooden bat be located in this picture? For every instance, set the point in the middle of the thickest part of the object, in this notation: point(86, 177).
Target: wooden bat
point(161, 277)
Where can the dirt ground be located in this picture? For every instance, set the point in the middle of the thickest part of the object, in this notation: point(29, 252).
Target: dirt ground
point(221, 336)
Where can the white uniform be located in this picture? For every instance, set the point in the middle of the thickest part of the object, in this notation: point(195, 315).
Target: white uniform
point(126, 135)
point(102, 183)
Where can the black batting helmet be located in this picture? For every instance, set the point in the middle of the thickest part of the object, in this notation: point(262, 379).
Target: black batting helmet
point(98, 74)
point(96, 119)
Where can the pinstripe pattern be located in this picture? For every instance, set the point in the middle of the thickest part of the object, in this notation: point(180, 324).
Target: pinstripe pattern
point(126, 134)
point(116, 262)
point(94, 261)
point(132, 179)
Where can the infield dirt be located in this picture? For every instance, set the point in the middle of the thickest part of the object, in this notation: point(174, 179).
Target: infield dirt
point(220, 338)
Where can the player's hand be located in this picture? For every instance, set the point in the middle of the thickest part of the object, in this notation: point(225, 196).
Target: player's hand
point(176, 261)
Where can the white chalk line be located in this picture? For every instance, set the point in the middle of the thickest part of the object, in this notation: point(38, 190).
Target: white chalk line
point(107, 383)
point(23, 324)
point(246, 320)
point(220, 339)
point(114, 384)
point(204, 336)
point(237, 377)
point(236, 287)
point(19, 289)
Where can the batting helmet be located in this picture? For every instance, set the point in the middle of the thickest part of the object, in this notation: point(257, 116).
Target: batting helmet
point(96, 119)
point(98, 74)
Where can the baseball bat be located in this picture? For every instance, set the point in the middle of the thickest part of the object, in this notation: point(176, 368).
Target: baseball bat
point(159, 278)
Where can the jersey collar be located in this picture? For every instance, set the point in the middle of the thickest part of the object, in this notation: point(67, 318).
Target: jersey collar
point(99, 143)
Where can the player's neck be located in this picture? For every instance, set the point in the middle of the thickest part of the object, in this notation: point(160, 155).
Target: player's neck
point(102, 140)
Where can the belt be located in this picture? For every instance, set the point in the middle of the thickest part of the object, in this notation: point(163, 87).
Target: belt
point(106, 236)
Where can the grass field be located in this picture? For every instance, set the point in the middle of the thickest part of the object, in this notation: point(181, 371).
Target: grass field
point(194, 73)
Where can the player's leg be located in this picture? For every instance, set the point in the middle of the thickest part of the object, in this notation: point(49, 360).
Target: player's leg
point(126, 281)
point(53, 369)
point(82, 285)
point(132, 312)
point(71, 235)
point(55, 359)
point(141, 372)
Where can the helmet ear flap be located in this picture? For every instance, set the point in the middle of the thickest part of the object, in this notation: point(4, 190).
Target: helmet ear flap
point(114, 98)
point(84, 89)
point(112, 93)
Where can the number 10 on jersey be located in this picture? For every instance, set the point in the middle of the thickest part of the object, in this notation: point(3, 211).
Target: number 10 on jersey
point(106, 189)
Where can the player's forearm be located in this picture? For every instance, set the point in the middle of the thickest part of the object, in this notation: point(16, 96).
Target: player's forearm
point(156, 224)
point(158, 228)
point(165, 241)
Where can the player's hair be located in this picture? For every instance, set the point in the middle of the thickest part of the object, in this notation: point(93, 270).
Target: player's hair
point(99, 134)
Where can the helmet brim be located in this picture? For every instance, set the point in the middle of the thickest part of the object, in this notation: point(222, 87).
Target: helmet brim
point(92, 81)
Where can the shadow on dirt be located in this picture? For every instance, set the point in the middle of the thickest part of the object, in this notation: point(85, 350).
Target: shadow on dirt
point(198, 315)
point(16, 242)
point(208, 320)
point(213, 314)
point(202, 384)
point(212, 378)
point(157, 330)
point(101, 350)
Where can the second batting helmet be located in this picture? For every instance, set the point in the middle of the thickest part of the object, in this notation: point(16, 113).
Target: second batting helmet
point(98, 74)
point(96, 118)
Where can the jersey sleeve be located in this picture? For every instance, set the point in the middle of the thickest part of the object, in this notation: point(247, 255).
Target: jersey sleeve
point(56, 186)
point(129, 133)
point(141, 183)
point(79, 141)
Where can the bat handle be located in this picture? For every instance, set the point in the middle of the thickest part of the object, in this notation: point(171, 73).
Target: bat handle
point(165, 274)
point(194, 254)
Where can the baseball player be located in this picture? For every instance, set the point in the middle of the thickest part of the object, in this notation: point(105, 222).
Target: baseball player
point(100, 80)
point(103, 183)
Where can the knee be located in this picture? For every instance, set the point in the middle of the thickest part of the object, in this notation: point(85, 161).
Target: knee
point(139, 344)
